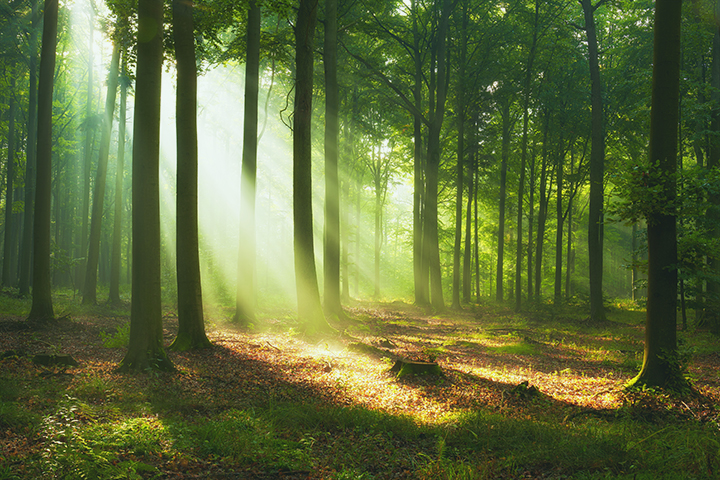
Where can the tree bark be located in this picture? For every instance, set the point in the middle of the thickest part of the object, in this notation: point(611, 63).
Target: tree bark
point(460, 160)
point(597, 170)
point(246, 297)
point(87, 165)
point(422, 296)
point(660, 363)
point(191, 322)
point(331, 244)
point(115, 262)
point(523, 161)
point(26, 245)
point(505, 154)
point(42, 307)
point(8, 247)
point(146, 335)
point(90, 280)
point(559, 230)
point(310, 310)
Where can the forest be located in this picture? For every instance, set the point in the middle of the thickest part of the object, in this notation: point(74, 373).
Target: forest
point(339, 239)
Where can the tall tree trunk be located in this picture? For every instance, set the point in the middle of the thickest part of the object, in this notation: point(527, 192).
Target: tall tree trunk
point(523, 161)
point(310, 310)
point(146, 335)
point(87, 164)
point(331, 244)
point(246, 300)
point(422, 295)
point(89, 285)
point(467, 267)
point(191, 322)
point(431, 246)
point(531, 219)
point(345, 212)
point(460, 159)
point(542, 209)
point(505, 154)
point(115, 262)
point(597, 169)
point(26, 245)
point(559, 230)
point(660, 364)
point(42, 307)
point(8, 247)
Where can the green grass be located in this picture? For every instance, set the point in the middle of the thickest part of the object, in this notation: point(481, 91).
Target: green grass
point(105, 427)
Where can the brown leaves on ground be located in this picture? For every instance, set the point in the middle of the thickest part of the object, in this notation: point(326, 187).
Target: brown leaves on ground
point(484, 355)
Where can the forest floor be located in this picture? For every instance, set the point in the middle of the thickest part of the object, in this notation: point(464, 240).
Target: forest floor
point(535, 395)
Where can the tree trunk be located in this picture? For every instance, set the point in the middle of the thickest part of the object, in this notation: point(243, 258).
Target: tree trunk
point(506, 127)
point(559, 230)
point(115, 263)
point(90, 280)
point(87, 165)
point(597, 170)
point(8, 246)
point(421, 280)
point(191, 322)
point(542, 210)
point(246, 298)
point(467, 267)
point(460, 154)
point(331, 244)
point(146, 335)
point(660, 363)
point(310, 310)
point(523, 161)
point(26, 245)
point(42, 307)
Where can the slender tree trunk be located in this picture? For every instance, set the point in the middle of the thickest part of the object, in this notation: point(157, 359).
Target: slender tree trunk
point(523, 161)
point(467, 267)
point(42, 307)
point(90, 280)
point(8, 247)
point(345, 213)
point(421, 280)
point(506, 127)
point(146, 335)
point(191, 322)
point(597, 170)
point(460, 159)
point(331, 244)
point(559, 230)
point(712, 314)
point(115, 263)
point(310, 310)
point(542, 210)
point(87, 164)
point(531, 214)
point(26, 245)
point(246, 296)
point(660, 364)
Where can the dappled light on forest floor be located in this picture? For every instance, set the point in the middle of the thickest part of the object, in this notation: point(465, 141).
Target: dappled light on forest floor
point(535, 382)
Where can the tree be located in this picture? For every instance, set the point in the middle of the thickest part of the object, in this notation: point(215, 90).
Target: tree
point(42, 307)
point(245, 299)
point(26, 245)
point(191, 323)
point(310, 310)
point(117, 217)
point(89, 285)
point(146, 339)
point(660, 364)
point(597, 167)
point(8, 248)
point(331, 244)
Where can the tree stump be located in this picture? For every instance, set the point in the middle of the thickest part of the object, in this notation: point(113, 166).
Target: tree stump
point(404, 367)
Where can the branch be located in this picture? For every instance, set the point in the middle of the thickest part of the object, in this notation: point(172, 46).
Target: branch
point(409, 106)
